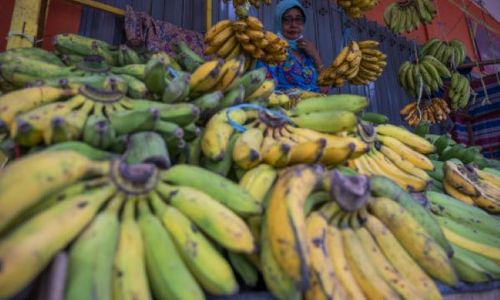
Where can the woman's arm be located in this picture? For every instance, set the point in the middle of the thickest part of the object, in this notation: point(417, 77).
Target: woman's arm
point(309, 48)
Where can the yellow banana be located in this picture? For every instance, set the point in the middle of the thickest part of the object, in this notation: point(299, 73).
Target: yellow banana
point(362, 268)
point(413, 237)
point(406, 152)
point(227, 47)
point(231, 70)
point(483, 249)
point(259, 181)
point(40, 175)
point(254, 23)
point(216, 220)
point(218, 131)
point(403, 164)
point(324, 281)
point(216, 29)
point(246, 153)
point(458, 177)
point(286, 222)
point(400, 259)
point(262, 92)
point(452, 191)
point(308, 152)
point(222, 36)
point(27, 250)
point(206, 76)
point(341, 57)
point(129, 276)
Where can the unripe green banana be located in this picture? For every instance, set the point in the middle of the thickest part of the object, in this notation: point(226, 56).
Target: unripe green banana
point(327, 121)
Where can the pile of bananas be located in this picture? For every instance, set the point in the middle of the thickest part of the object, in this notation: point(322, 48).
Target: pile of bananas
point(356, 8)
point(344, 67)
point(433, 111)
point(472, 233)
point(329, 236)
point(408, 14)
point(133, 230)
point(472, 185)
point(358, 63)
point(400, 157)
point(447, 148)
point(459, 91)
point(450, 53)
point(228, 39)
point(325, 132)
point(422, 76)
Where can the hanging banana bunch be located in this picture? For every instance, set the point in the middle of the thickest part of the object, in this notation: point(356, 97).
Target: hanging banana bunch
point(407, 15)
point(459, 91)
point(424, 75)
point(451, 53)
point(356, 8)
point(432, 111)
point(228, 39)
point(256, 3)
point(372, 64)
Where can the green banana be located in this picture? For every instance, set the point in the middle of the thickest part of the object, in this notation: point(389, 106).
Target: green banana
point(233, 97)
point(216, 186)
point(245, 269)
point(136, 88)
point(83, 149)
point(221, 167)
point(327, 121)
point(347, 102)
point(187, 58)
point(147, 147)
point(250, 80)
point(98, 132)
point(32, 53)
point(128, 121)
point(136, 70)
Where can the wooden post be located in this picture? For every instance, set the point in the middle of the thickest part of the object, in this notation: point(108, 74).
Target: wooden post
point(208, 14)
point(28, 20)
point(101, 6)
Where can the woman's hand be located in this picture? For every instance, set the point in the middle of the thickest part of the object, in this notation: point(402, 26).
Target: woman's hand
point(309, 48)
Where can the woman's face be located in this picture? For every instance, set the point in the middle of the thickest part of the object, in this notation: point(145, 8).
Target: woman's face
point(292, 23)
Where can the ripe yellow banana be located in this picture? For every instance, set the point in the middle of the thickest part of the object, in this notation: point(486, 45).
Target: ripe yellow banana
point(259, 181)
point(230, 231)
point(308, 152)
point(286, 222)
point(246, 153)
point(458, 177)
point(40, 175)
point(406, 152)
point(452, 191)
point(400, 259)
point(403, 164)
point(216, 29)
point(262, 92)
point(412, 140)
point(413, 237)
point(206, 76)
point(45, 234)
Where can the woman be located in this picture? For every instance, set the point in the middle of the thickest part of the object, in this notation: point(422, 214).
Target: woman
point(303, 63)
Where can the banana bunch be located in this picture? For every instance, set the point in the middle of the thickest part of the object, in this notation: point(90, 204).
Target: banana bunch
point(356, 8)
point(344, 67)
point(423, 76)
point(447, 148)
point(408, 15)
point(50, 115)
point(472, 185)
point(329, 236)
point(256, 3)
point(228, 39)
point(459, 91)
point(473, 234)
point(434, 111)
point(133, 230)
point(450, 53)
point(400, 157)
point(321, 135)
point(372, 64)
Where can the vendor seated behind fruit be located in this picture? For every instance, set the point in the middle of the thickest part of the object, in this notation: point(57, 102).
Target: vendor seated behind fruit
point(300, 69)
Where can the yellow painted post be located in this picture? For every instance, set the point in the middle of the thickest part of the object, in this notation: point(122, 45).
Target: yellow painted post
point(208, 14)
point(27, 17)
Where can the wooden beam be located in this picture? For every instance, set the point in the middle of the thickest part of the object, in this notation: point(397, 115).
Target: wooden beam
point(101, 6)
point(208, 14)
point(28, 19)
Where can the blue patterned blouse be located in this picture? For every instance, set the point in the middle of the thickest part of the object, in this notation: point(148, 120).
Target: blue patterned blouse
point(292, 73)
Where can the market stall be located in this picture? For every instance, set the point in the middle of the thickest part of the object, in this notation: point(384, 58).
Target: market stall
point(161, 152)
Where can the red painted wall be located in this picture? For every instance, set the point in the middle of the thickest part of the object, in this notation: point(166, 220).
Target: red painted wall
point(63, 16)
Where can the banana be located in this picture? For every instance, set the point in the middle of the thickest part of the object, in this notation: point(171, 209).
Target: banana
point(228, 47)
point(362, 268)
point(20, 101)
point(308, 152)
point(381, 186)
point(222, 36)
point(406, 152)
point(44, 232)
point(246, 152)
point(383, 267)
point(458, 176)
point(41, 174)
point(167, 273)
point(275, 152)
point(412, 140)
point(279, 283)
point(327, 121)
point(467, 268)
point(217, 133)
point(262, 92)
point(233, 97)
point(259, 181)
point(400, 259)
point(403, 164)
point(470, 233)
point(286, 222)
point(348, 102)
point(324, 282)
point(206, 76)
point(90, 270)
point(216, 30)
point(217, 187)
point(488, 265)
point(413, 237)
point(232, 69)
point(452, 191)
point(129, 275)
point(230, 231)
point(251, 80)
